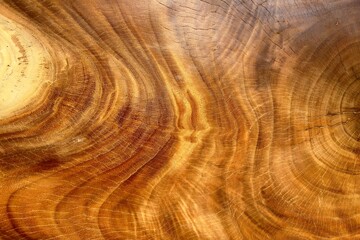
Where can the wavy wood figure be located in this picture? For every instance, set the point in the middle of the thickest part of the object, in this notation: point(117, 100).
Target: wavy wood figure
point(179, 119)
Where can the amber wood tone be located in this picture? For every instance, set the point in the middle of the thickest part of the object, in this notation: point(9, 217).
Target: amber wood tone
point(179, 119)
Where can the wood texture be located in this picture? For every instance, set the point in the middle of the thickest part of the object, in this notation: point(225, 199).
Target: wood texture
point(180, 119)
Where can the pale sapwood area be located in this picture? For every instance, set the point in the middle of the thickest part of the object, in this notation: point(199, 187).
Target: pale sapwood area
point(179, 119)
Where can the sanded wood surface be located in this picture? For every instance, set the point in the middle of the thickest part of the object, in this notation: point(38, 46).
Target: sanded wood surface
point(180, 119)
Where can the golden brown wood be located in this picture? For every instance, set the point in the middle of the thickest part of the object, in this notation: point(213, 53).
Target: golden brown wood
point(180, 119)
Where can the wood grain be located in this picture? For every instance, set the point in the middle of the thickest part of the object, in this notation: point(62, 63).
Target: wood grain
point(180, 119)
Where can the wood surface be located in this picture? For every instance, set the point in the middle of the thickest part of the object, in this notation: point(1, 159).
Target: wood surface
point(180, 119)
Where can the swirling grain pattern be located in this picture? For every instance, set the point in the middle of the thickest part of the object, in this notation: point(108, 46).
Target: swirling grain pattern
point(180, 119)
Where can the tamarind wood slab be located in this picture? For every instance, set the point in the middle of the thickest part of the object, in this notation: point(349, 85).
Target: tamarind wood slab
point(179, 119)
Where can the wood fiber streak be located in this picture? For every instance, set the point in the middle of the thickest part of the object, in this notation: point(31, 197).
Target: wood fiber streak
point(179, 119)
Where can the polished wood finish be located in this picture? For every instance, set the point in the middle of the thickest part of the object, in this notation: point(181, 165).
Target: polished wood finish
point(180, 119)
